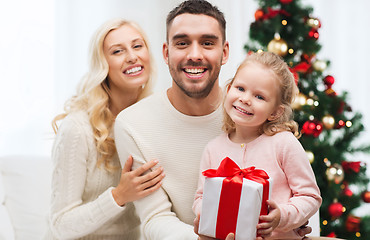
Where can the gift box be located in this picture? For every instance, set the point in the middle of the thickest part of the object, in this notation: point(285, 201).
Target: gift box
point(233, 200)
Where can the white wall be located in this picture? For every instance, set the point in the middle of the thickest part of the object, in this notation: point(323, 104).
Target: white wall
point(44, 54)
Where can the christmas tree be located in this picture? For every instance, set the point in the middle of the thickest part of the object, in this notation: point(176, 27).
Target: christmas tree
point(327, 122)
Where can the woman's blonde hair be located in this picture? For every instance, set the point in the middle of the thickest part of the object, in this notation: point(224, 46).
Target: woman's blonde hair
point(288, 91)
point(93, 93)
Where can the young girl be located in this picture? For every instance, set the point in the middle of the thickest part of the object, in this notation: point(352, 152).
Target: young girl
point(260, 132)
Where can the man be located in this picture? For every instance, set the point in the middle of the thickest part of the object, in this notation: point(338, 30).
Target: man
point(174, 126)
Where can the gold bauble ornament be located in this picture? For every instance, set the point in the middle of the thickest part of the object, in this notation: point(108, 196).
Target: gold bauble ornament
point(335, 173)
point(299, 101)
point(314, 22)
point(278, 46)
point(328, 121)
point(319, 65)
point(310, 156)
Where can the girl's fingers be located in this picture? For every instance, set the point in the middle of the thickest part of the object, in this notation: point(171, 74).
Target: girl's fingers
point(272, 204)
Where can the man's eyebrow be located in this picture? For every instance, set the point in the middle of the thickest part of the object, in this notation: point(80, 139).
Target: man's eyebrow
point(179, 36)
point(210, 36)
point(204, 36)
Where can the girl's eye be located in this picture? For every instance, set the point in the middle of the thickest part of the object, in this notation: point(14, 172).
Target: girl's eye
point(260, 97)
point(240, 89)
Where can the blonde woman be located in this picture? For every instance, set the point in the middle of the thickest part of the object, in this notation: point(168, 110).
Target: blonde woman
point(91, 193)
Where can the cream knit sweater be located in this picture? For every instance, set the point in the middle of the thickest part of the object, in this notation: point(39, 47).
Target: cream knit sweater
point(82, 204)
point(153, 128)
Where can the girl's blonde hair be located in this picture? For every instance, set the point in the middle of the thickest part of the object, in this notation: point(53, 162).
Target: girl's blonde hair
point(93, 93)
point(288, 91)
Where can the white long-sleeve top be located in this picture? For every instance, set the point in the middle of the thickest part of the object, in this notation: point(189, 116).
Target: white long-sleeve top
point(154, 129)
point(82, 205)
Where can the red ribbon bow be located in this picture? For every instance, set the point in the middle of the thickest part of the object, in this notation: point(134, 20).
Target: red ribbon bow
point(232, 186)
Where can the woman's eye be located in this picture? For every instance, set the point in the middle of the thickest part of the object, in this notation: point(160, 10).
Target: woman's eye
point(138, 46)
point(116, 51)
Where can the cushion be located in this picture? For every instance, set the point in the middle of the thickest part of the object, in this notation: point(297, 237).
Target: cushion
point(26, 182)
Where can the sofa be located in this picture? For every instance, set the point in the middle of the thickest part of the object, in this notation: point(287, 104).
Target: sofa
point(25, 197)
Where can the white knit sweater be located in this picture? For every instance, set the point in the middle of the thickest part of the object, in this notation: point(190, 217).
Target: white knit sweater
point(82, 204)
point(153, 128)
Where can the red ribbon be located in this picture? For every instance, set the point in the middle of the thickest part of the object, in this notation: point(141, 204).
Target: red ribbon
point(232, 186)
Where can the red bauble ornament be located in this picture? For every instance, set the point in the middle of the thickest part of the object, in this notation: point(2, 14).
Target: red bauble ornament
point(329, 81)
point(335, 209)
point(347, 192)
point(313, 128)
point(258, 14)
point(313, 33)
point(366, 196)
point(351, 166)
point(332, 235)
point(340, 124)
point(286, 1)
point(353, 224)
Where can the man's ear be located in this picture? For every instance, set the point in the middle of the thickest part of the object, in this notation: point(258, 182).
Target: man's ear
point(165, 52)
point(277, 113)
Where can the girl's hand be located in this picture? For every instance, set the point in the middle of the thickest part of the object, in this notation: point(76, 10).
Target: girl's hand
point(135, 184)
point(230, 236)
point(268, 222)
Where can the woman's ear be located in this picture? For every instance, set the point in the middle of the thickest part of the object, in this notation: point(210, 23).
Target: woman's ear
point(277, 113)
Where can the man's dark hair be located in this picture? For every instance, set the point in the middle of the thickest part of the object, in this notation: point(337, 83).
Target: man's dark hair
point(198, 7)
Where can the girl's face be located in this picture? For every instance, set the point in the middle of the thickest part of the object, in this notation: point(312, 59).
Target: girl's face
point(128, 59)
point(253, 97)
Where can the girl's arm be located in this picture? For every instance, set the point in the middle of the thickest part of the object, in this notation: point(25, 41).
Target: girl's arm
point(306, 199)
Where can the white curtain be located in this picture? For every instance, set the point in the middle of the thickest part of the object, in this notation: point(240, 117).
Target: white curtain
point(44, 48)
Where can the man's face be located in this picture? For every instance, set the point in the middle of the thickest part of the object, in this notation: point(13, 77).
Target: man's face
point(194, 53)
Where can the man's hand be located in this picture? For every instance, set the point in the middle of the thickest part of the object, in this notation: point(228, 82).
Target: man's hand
point(303, 230)
point(230, 236)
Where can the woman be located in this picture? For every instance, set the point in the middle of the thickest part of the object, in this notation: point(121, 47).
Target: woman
point(91, 194)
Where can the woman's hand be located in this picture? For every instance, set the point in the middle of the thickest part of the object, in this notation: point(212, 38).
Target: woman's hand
point(268, 222)
point(230, 236)
point(135, 184)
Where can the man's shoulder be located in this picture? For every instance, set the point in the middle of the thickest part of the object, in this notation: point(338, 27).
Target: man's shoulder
point(143, 107)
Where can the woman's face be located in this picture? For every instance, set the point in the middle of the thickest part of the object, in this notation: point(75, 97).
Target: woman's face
point(128, 59)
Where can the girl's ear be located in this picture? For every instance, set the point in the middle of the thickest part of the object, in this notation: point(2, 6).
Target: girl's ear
point(277, 113)
point(228, 87)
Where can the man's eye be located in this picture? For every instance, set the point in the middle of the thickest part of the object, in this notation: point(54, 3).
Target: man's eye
point(208, 43)
point(181, 43)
